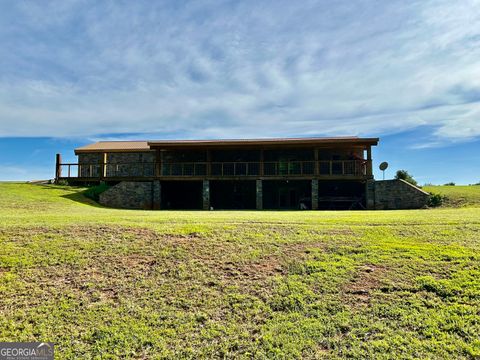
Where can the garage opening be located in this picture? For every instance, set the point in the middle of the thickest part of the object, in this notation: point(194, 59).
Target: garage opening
point(341, 195)
point(181, 195)
point(287, 194)
point(233, 194)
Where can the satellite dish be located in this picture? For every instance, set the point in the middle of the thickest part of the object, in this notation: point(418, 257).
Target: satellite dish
point(383, 166)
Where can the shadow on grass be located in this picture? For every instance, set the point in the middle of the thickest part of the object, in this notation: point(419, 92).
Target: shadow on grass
point(77, 196)
point(80, 198)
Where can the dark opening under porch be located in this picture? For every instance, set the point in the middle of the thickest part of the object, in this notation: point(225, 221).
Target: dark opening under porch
point(181, 195)
point(287, 194)
point(341, 195)
point(225, 194)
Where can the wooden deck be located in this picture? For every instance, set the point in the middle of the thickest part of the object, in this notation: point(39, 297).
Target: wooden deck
point(334, 170)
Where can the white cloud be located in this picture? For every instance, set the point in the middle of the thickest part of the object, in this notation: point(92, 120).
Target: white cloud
point(208, 69)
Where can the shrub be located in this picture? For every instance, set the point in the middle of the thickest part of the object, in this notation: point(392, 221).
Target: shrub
point(450, 184)
point(94, 192)
point(62, 182)
point(435, 200)
point(404, 175)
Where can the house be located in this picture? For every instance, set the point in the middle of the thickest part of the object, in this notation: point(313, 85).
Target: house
point(282, 173)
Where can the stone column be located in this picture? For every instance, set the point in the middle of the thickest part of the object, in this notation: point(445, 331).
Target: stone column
point(206, 195)
point(156, 195)
point(315, 194)
point(259, 194)
point(370, 194)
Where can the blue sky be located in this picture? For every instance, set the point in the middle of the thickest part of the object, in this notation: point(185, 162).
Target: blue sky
point(72, 72)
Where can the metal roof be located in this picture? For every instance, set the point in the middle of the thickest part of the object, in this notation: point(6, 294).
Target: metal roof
point(265, 141)
point(121, 146)
point(127, 146)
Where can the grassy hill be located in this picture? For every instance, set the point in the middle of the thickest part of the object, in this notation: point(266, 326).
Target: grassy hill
point(457, 196)
point(105, 283)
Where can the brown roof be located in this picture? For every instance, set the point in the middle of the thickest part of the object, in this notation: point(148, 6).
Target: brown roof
point(126, 146)
point(123, 146)
point(266, 141)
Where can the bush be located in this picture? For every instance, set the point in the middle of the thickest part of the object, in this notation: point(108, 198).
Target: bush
point(62, 182)
point(450, 184)
point(404, 175)
point(94, 192)
point(435, 200)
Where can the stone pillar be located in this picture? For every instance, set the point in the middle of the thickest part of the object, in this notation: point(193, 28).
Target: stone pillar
point(206, 195)
point(156, 195)
point(314, 194)
point(259, 194)
point(370, 194)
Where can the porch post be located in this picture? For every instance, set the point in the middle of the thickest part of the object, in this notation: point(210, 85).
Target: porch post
point(104, 166)
point(369, 161)
point(259, 194)
point(158, 163)
point(58, 167)
point(209, 162)
point(315, 194)
point(262, 163)
point(206, 195)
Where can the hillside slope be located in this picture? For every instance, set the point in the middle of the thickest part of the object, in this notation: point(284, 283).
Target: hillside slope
point(457, 196)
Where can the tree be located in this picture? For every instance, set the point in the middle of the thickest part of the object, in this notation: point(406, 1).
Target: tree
point(404, 175)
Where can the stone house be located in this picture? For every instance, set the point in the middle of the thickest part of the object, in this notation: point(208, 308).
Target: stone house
point(286, 173)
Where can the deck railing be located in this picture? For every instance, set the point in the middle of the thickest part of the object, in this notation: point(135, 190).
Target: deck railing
point(357, 168)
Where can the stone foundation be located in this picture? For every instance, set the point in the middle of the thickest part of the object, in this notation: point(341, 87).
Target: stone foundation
point(394, 195)
point(381, 195)
point(131, 195)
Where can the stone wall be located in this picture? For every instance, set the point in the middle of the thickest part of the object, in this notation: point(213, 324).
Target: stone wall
point(131, 164)
point(394, 195)
point(90, 158)
point(131, 157)
point(140, 163)
point(89, 169)
point(131, 195)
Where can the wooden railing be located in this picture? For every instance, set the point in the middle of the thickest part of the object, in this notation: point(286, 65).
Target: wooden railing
point(357, 168)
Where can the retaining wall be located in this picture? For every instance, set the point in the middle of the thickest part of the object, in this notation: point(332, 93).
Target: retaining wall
point(395, 195)
point(132, 195)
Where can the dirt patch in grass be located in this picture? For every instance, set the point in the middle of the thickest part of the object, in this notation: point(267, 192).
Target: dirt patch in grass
point(359, 290)
point(114, 260)
point(102, 232)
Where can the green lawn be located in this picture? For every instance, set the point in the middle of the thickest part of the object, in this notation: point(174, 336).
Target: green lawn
point(457, 195)
point(105, 283)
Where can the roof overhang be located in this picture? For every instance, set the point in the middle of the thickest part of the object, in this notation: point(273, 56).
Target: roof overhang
point(321, 142)
point(145, 146)
point(114, 146)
